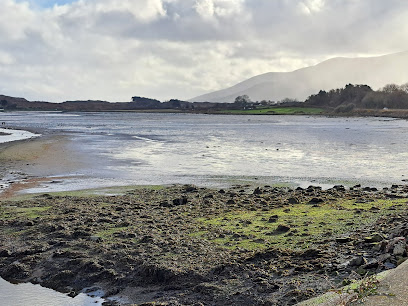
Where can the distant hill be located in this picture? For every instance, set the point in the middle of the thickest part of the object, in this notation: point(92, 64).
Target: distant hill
point(333, 73)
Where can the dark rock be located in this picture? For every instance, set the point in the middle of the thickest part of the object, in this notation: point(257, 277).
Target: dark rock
point(257, 190)
point(376, 237)
point(311, 253)
point(181, 201)
point(273, 219)
point(339, 188)
point(357, 261)
point(189, 188)
point(5, 253)
point(282, 228)
point(147, 239)
point(388, 265)
point(371, 264)
point(343, 239)
point(293, 201)
point(316, 201)
point(16, 271)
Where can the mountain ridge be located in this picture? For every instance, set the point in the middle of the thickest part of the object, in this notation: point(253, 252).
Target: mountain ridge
point(332, 73)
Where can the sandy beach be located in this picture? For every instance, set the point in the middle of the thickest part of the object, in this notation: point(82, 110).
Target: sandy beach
point(26, 163)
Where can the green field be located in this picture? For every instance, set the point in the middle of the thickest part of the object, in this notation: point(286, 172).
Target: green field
point(277, 111)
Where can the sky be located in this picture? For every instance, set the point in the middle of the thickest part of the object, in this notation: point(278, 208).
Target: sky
point(57, 50)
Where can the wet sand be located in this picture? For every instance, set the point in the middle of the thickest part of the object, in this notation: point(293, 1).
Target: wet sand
point(27, 163)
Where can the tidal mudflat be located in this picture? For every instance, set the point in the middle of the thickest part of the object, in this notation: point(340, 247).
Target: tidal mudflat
point(188, 245)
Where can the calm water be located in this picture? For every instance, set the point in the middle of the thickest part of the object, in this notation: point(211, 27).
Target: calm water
point(35, 295)
point(132, 148)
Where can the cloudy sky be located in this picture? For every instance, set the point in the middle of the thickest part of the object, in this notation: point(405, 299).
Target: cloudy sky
point(59, 50)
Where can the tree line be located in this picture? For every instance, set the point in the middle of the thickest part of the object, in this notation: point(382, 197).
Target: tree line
point(345, 99)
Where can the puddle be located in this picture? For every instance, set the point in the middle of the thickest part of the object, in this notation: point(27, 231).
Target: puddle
point(34, 295)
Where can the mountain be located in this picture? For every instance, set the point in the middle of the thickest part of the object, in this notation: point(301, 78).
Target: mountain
point(333, 73)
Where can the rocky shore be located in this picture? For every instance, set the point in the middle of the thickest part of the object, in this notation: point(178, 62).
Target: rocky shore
point(184, 245)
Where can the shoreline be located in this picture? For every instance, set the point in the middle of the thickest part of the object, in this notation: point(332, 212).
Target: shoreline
point(242, 245)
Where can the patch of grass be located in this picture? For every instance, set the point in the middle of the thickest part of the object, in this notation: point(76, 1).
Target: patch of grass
point(117, 190)
point(308, 225)
point(277, 111)
point(11, 212)
point(108, 233)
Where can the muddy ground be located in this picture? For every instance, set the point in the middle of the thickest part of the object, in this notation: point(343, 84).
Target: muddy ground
point(183, 245)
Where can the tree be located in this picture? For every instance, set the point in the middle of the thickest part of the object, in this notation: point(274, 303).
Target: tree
point(390, 88)
point(242, 99)
point(404, 87)
point(4, 103)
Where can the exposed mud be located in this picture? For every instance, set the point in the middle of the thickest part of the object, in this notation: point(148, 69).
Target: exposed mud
point(184, 245)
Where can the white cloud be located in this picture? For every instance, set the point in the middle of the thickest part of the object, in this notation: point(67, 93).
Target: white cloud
point(109, 49)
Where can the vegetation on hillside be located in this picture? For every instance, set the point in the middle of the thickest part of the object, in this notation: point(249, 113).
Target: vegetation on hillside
point(361, 96)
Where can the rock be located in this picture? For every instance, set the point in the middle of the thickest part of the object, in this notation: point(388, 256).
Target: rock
point(388, 265)
point(357, 261)
point(343, 239)
point(146, 239)
point(189, 188)
point(376, 237)
point(339, 188)
point(5, 253)
point(383, 257)
point(180, 201)
point(371, 264)
point(16, 271)
point(95, 239)
point(273, 219)
point(311, 253)
point(400, 248)
point(282, 228)
point(316, 201)
point(293, 201)
point(257, 191)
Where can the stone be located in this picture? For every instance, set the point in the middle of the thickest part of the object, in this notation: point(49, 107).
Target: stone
point(95, 238)
point(180, 201)
point(343, 239)
point(339, 188)
point(316, 201)
point(273, 219)
point(293, 201)
point(282, 228)
point(388, 265)
point(357, 261)
point(257, 190)
point(400, 248)
point(376, 237)
point(5, 253)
